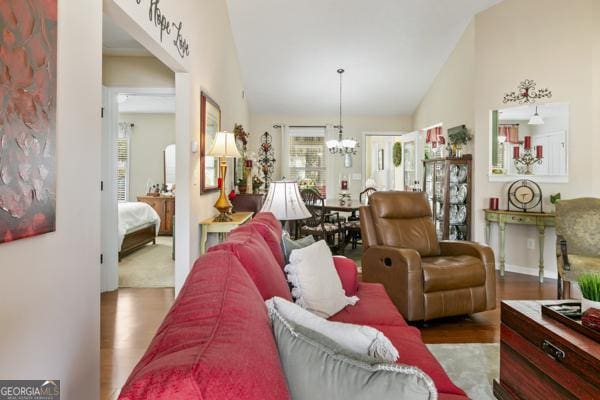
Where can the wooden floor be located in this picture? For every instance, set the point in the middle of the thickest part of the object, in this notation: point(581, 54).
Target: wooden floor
point(130, 317)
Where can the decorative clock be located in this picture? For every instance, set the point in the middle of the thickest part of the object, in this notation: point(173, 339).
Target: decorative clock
point(524, 195)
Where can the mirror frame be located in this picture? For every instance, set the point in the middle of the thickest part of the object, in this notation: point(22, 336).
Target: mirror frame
point(536, 178)
point(204, 101)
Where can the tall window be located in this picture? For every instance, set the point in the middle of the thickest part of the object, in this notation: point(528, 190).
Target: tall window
point(306, 155)
point(123, 161)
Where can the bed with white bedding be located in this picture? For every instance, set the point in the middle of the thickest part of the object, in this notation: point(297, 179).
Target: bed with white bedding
point(138, 225)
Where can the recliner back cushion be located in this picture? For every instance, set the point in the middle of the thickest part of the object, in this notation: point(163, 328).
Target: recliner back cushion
point(403, 220)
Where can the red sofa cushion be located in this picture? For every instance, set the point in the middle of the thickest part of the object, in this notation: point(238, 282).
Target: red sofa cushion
point(269, 219)
point(215, 343)
point(374, 307)
point(414, 352)
point(256, 257)
point(269, 235)
point(346, 269)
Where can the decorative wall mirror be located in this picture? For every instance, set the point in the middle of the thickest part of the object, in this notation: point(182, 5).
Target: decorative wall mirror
point(210, 124)
point(169, 166)
point(530, 141)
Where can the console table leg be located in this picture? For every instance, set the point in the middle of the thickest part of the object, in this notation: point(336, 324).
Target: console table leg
point(502, 226)
point(487, 232)
point(541, 234)
point(203, 239)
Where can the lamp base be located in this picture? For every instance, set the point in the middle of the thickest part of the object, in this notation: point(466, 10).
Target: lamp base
point(222, 204)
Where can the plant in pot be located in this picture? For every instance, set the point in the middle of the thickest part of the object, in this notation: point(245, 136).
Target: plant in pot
point(459, 136)
point(589, 283)
point(242, 185)
point(256, 184)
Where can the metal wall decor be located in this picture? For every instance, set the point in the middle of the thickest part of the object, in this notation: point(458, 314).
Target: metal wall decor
point(527, 93)
point(266, 157)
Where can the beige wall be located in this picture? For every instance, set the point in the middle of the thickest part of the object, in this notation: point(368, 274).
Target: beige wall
point(136, 72)
point(50, 284)
point(354, 126)
point(559, 50)
point(149, 137)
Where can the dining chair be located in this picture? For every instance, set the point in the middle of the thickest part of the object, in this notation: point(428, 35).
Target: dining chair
point(321, 224)
point(352, 227)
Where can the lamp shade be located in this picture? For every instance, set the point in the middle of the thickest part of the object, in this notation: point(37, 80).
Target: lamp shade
point(224, 146)
point(285, 202)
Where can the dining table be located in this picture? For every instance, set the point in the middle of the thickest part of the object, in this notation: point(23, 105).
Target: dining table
point(349, 206)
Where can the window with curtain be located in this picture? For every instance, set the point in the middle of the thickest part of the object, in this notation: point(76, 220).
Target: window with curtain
point(123, 161)
point(306, 156)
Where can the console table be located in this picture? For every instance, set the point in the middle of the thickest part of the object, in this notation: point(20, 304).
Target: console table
point(502, 217)
point(222, 228)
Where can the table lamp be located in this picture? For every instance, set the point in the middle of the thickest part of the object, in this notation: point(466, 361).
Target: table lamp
point(284, 201)
point(223, 147)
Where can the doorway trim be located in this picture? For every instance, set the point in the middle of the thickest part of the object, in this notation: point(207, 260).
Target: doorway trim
point(363, 169)
point(110, 246)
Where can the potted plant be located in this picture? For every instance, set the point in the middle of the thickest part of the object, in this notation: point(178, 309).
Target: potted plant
point(459, 137)
point(242, 185)
point(589, 283)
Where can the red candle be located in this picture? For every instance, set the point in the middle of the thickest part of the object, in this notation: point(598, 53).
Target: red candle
point(248, 163)
point(494, 203)
point(344, 185)
point(527, 142)
point(538, 151)
point(516, 152)
point(219, 182)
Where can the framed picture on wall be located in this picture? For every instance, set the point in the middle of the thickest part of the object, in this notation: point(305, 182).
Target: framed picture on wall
point(28, 113)
point(380, 165)
point(210, 124)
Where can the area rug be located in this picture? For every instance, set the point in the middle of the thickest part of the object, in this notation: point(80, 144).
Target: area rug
point(472, 367)
point(149, 267)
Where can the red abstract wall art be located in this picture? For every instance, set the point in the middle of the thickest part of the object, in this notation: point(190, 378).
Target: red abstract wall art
point(28, 34)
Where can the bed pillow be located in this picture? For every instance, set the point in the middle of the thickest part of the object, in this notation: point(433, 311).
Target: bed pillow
point(316, 284)
point(318, 368)
point(359, 339)
point(288, 244)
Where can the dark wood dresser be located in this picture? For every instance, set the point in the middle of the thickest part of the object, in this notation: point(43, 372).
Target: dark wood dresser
point(165, 208)
point(540, 358)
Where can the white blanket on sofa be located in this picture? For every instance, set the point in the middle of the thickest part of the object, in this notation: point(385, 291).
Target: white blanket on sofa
point(134, 216)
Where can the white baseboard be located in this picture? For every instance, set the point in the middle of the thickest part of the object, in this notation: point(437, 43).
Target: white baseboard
point(527, 271)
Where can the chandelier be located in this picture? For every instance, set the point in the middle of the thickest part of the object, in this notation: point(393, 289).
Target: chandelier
point(342, 146)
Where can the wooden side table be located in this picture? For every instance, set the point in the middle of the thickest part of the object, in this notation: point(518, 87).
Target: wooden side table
point(222, 228)
point(503, 217)
point(543, 359)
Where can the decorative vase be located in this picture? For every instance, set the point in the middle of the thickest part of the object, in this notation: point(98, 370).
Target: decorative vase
point(242, 189)
point(587, 304)
point(458, 152)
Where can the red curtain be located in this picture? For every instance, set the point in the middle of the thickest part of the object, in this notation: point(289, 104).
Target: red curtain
point(510, 132)
point(435, 137)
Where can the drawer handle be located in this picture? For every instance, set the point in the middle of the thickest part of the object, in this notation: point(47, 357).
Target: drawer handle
point(552, 351)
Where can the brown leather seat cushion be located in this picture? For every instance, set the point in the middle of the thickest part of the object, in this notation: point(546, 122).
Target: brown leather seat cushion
point(452, 272)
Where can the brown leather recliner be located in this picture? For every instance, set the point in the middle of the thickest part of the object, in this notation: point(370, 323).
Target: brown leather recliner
point(426, 279)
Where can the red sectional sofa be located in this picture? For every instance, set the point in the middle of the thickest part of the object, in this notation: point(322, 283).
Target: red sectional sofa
point(216, 341)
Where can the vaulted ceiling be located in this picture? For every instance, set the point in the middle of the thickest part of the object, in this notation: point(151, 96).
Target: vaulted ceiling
point(392, 50)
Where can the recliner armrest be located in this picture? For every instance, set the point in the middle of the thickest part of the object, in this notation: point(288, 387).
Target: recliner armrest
point(400, 272)
point(482, 252)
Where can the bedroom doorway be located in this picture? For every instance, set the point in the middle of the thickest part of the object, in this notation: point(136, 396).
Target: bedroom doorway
point(138, 167)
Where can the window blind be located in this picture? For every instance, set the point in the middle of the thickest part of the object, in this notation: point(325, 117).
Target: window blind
point(306, 150)
point(122, 169)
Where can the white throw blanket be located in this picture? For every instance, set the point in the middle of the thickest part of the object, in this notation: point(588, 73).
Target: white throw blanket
point(133, 216)
point(360, 339)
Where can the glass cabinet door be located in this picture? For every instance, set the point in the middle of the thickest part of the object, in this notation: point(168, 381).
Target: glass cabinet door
point(458, 196)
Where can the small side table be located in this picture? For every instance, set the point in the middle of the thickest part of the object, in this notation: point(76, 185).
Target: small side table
point(222, 228)
point(502, 217)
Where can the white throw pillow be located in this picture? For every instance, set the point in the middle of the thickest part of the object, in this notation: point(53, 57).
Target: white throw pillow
point(356, 338)
point(316, 283)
